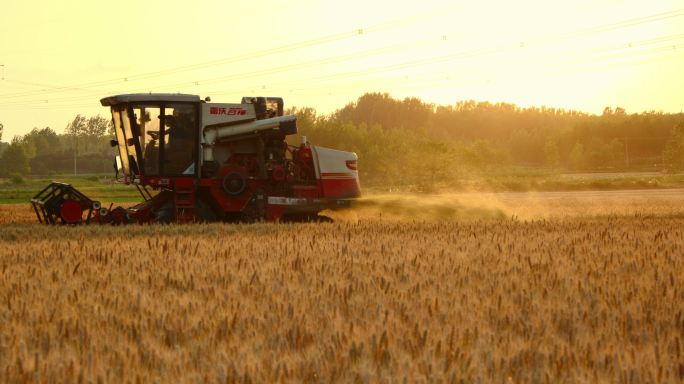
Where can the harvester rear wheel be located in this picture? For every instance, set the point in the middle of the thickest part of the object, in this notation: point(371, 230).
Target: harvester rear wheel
point(234, 183)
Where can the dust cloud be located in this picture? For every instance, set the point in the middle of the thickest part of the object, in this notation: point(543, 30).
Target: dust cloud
point(422, 207)
point(514, 205)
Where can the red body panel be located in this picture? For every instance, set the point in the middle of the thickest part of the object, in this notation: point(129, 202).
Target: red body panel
point(307, 191)
point(340, 188)
point(274, 212)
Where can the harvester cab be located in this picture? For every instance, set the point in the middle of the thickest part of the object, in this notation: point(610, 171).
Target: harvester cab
point(193, 160)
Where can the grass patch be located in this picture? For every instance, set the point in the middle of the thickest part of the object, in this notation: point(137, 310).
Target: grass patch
point(96, 187)
point(104, 188)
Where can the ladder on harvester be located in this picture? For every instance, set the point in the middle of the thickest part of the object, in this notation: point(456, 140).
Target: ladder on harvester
point(185, 205)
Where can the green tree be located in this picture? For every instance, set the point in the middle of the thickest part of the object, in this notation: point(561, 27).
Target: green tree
point(3, 146)
point(597, 155)
point(110, 128)
point(673, 154)
point(435, 162)
point(96, 126)
point(40, 142)
point(95, 130)
point(306, 124)
point(616, 149)
point(77, 129)
point(14, 160)
point(552, 153)
point(78, 126)
point(577, 159)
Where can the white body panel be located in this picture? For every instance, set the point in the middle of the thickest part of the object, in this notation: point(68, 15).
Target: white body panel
point(249, 126)
point(217, 113)
point(332, 163)
point(219, 121)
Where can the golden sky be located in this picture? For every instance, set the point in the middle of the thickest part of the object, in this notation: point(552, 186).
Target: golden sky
point(59, 58)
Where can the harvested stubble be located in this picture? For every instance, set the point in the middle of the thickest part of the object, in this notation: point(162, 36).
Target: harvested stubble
point(545, 301)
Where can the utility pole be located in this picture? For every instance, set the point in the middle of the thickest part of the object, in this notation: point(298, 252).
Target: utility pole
point(75, 150)
point(626, 153)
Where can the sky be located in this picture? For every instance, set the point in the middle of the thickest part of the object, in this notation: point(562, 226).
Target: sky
point(58, 59)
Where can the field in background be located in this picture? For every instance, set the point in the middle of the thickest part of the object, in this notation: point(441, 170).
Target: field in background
point(458, 206)
point(103, 188)
point(97, 187)
point(544, 287)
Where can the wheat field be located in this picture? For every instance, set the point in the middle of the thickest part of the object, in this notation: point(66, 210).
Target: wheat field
point(486, 296)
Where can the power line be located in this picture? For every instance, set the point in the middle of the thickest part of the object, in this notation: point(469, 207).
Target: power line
point(608, 27)
point(384, 68)
point(437, 82)
point(429, 61)
point(289, 67)
point(601, 54)
point(247, 56)
point(55, 87)
point(420, 62)
point(604, 56)
point(419, 85)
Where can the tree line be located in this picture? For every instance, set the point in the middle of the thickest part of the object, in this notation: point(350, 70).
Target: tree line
point(408, 140)
point(411, 139)
point(82, 148)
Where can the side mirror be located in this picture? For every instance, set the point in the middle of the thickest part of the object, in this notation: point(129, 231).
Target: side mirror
point(113, 143)
point(117, 166)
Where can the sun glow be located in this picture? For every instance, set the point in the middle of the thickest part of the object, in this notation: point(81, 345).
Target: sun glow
point(60, 59)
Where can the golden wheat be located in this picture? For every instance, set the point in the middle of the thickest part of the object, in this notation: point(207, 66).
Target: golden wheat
point(549, 300)
point(16, 214)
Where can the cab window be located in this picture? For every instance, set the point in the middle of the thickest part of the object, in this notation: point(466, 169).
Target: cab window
point(147, 120)
point(180, 135)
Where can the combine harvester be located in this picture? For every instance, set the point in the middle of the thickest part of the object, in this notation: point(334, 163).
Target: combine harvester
point(193, 160)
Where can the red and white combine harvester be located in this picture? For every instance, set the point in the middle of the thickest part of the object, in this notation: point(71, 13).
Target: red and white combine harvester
point(194, 160)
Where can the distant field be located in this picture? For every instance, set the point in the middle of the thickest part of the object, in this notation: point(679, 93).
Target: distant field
point(97, 187)
point(507, 287)
point(103, 188)
point(475, 205)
